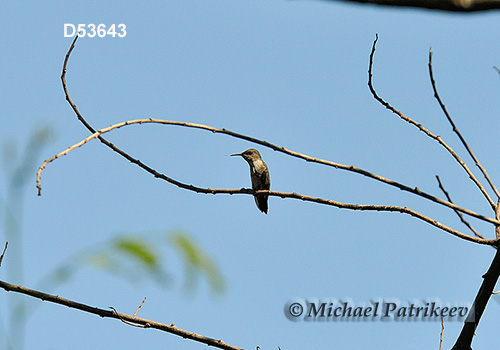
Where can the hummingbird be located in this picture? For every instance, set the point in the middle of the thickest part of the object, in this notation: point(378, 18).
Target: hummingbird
point(259, 174)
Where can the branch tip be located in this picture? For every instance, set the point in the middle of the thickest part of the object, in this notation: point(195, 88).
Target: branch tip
point(3, 253)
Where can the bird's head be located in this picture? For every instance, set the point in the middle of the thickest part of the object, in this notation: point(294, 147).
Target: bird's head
point(249, 155)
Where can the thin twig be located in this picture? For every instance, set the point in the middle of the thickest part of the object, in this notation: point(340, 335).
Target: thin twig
point(142, 303)
point(421, 128)
point(441, 337)
point(68, 98)
point(3, 253)
point(251, 139)
point(113, 314)
point(456, 131)
point(465, 222)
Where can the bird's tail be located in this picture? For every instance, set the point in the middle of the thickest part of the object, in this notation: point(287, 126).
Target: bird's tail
point(261, 202)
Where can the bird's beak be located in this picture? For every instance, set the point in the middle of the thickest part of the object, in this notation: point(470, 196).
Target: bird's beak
point(236, 154)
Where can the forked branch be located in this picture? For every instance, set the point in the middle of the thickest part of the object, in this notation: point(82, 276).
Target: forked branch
point(465, 222)
point(456, 131)
point(424, 130)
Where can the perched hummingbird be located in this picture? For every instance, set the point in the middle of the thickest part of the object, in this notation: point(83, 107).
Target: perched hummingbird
point(259, 175)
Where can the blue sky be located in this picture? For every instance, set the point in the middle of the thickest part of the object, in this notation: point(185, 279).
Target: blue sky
point(293, 73)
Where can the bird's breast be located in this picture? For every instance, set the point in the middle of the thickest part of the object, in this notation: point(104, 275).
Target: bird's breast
point(259, 166)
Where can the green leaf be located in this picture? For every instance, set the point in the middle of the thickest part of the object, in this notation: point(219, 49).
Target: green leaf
point(197, 261)
point(139, 250)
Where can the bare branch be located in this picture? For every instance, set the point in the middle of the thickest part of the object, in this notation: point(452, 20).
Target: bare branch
point(68, 98)
point(3, 253)
point(423, 129)
point(457, 212)
point(113, 314)
point(271, 193)
point(456, 131)
point(138, 325)
point(490, 279)
point(441, 5)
